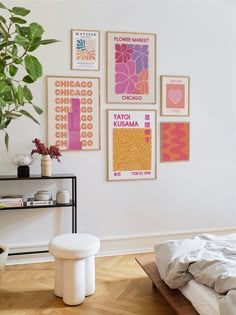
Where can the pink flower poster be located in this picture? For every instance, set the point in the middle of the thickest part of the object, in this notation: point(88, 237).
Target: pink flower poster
point(131, 68)
point(85, 50)
point(73, 113)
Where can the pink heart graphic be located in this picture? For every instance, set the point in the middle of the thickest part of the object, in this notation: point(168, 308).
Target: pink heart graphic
point(175, 95)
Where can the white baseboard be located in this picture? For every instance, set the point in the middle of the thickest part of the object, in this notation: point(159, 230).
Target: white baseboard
point(110, 246)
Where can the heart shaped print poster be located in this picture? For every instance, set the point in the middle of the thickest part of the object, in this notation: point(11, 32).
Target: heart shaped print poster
point(174, 96)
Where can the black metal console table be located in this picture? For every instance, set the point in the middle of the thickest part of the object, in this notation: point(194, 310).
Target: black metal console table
point(72, 204)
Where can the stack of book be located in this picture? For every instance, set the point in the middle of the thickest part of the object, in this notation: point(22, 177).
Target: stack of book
point(33, 202)
point(12, 201)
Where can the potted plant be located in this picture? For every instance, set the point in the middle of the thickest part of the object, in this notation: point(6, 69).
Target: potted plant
point(19, 68)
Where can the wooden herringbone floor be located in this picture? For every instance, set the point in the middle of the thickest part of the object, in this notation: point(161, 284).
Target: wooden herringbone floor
point(121, 288)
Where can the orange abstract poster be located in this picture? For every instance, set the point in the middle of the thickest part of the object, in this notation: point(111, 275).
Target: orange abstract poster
point(174, 141)
point(73, 113)
point(131, 144)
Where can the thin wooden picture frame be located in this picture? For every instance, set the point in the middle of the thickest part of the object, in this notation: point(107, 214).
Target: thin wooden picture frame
point(73, 112)
point(85, 50)
point(130, 68)
point(131, 144)
point(175, 141)
point(175, 95)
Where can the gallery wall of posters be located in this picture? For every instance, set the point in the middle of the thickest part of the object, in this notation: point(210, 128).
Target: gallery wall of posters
point(174, 141)
point(73, 112)
point(131, 144)
point(85, 50)
point(175, 95)
point(131, 68)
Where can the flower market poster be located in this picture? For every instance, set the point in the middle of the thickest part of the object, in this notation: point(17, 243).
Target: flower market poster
point(131, 68)
point(73, 113)
point(131, 144)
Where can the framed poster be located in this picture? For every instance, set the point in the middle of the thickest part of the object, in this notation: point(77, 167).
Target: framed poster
point(131, 144)
point(175, 95)
point(73, 112)
point(85, 50)
point(174, 141)
point(131, 68)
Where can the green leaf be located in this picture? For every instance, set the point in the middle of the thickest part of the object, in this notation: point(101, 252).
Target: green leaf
point(27, 93)
point(22, 30)
point(34, 46)
point(14, 50)
point(27, 114)
point(33, 67)
point(12, 115)
point(2, 19)
point(4, 88)
point(28, 79)
point(6, 140)
point(2, 103)
point(17, 20)
point(36, 31)
point(20, 11)
point(13, 70)
point(2, 6)
point(20, 94)
point(38, 109)
point(48, 41)
point(22, 41)
point(2, 66)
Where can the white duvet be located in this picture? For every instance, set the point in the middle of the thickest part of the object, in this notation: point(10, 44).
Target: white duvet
point(209, 259)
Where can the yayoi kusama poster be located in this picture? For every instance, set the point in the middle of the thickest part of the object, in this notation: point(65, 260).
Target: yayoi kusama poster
point(131, 144)
point(73, 112)
point(131, 68)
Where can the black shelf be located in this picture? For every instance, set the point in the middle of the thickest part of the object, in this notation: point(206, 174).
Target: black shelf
point(37, 177)
point(54, 205)
point(72, 204)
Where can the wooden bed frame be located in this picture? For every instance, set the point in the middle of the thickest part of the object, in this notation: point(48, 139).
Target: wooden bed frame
point(173, 296)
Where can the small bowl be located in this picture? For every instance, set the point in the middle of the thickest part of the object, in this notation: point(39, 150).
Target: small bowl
point(42, 195)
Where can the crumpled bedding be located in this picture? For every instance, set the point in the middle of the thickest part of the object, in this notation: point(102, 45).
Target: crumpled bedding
point(209, 259)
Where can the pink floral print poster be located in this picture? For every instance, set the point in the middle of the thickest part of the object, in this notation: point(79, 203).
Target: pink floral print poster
point(131, 68)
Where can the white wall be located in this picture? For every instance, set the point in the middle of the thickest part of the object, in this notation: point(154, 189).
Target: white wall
point(195, 38)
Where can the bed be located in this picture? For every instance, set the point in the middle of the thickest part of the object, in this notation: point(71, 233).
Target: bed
point(197, 275)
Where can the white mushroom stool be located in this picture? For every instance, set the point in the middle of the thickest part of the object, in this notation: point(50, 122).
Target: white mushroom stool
point(74, 266)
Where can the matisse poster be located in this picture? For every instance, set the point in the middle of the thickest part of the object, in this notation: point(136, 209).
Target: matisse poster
point(131, 144)
point(73, 112)
point(174, 141)
point(85, 50)
point(131, 68)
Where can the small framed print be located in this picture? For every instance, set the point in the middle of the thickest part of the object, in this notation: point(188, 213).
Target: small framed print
point(175, 95)
point(174, 141)
point(85, 50)
point(131, 68)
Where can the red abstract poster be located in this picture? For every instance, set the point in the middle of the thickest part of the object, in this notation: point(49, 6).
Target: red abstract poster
point(174, 141)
